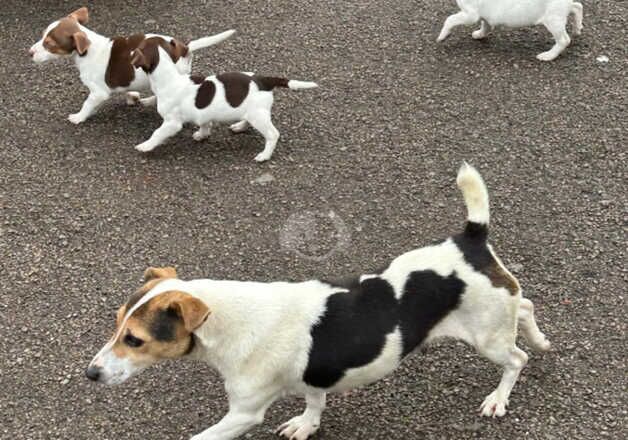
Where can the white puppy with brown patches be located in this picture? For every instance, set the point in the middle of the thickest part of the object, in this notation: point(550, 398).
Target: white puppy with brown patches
point(314, 337)
point(238, 97)
point(553, 14)
point(104, 63)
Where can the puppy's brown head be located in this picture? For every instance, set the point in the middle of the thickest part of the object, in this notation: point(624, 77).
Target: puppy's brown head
point(156, 323)
point(146, 55)
point(62, 38)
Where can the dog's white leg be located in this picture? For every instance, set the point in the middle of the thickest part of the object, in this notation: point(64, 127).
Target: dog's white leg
point(530, 329)
point(305, 425)
point(556, 25)
point(576, 10)
point(243, 415)
point(484, 30)
point(91, 104)
point(149, 101)
point(132, 98)
point(260, 120)
point(239, 127)
point(461, 18)
point(513, 360)
point(203, 132)
point(168, 129)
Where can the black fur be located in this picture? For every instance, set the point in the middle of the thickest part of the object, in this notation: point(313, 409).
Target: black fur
point(352, 331)
point(164, 324)
point(472, 243)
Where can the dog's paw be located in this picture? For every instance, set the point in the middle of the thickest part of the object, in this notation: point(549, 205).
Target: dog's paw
point(493, 406)
point(76, 118)
point(144, 147)
point(199, 135)
point(262, 157)
point(478, 35)
point(132, 98)
point(546, 56)
point(298, 428)
point(239, 127)
point(150, 101)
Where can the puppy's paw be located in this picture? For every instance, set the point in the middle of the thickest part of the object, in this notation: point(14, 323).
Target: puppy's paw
point(546, 56)
point(298, 428)
point(478, 35)
point(132, 98)
point(262, 157)
point(493, 406)
point(150, 101)
point(239, 127)
point(144, 147)
point(76, 118)
point(199, 135)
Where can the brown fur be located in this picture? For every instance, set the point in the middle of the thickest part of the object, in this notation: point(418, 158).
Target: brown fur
point(501, 278)
point(146, 56)
point(236, 87)
point(205, 94)
point(120, 71)
point(66, 37)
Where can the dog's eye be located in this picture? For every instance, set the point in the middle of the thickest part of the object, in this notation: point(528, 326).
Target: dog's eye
point(132, 341)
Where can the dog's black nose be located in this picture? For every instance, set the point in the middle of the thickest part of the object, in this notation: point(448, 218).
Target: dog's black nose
point(93, 373)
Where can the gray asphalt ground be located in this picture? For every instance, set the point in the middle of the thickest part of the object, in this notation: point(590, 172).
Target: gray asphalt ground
point(83, 213)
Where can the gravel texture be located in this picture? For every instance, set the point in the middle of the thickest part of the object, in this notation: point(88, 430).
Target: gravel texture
point(364, 171)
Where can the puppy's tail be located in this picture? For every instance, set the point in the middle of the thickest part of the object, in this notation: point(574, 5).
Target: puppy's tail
point(268, 83)
point(201, 43)
point(476, 198)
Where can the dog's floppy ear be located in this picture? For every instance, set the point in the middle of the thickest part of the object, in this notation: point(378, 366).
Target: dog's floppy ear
point(81, 42)
point(153, 273)
point(81, 15)
point(192, 310)
point(138, 59)
point(178, 49)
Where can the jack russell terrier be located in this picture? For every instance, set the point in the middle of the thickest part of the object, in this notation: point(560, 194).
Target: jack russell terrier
point(105, 63)
point(228, 97)
point(314, 337)
point(553, 14)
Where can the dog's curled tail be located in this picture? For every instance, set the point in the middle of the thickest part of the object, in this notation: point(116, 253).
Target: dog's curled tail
point(476, 198)
point(268, 83)
point(201, 43)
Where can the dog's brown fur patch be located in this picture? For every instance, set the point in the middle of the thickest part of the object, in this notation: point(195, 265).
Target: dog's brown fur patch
point(205, 94)
point(147, 53)
point(236, 87)
point(66, 37)
point(501, 278)
point(120, 72)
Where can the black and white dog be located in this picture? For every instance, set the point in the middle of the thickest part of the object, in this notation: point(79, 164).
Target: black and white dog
point(315, 337)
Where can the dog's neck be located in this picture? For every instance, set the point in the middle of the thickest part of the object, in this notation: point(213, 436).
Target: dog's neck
point(165, 79)
point(98, 44)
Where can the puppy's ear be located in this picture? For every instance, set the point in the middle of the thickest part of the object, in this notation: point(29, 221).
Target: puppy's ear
point(178, 49)
point(81, 42)
point(153, 273)
point(138, 59)
point(81, 15)
point(192, 311)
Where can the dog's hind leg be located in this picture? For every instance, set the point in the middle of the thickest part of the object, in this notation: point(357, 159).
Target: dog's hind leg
point(305, 425)
point(512, 359)
point(461, 18)
point(239, 127)
point(576, 10)
point(260, 120)
point(203, 132)
point(530, 330)
point(484, 30)
point(557, 27)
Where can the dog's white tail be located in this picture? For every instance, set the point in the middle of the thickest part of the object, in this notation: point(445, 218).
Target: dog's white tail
point(201, 43)
point(293, 84)
point(475, 195)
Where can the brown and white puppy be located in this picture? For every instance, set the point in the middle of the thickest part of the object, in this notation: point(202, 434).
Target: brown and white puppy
point(105, 63)
point(314, 337)
point(151, 331)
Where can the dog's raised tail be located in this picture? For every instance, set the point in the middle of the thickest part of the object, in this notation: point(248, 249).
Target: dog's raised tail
point(201, 43)
point(268, 83)
point(476, 198)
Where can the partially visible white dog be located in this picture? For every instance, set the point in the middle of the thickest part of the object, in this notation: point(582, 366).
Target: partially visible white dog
point(553, 14)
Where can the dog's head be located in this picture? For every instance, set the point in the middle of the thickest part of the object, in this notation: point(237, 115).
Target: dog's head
point(146, 55)
point(62, 38)
point(155, 324)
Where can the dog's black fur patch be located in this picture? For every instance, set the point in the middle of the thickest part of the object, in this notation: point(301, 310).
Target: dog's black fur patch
point(164, 324)
point(352, 332)
point(472, 244)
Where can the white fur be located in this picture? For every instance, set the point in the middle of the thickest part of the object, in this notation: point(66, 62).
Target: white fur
point(553, 14)
point(258, 335)
point(176, 95)
point(475, 194)
point(93, 65)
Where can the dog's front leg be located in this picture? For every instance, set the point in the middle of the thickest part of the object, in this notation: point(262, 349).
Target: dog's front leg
point(305, 425)
point(91, 104)
point(244, 413)
point(168, 128)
